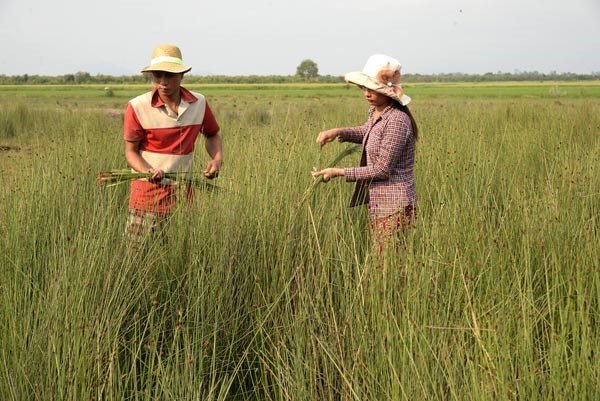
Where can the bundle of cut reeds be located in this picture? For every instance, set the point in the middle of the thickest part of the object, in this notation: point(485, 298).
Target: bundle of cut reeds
point(122, 176)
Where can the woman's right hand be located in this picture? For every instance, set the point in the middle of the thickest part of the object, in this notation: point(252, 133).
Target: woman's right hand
point(328, 136)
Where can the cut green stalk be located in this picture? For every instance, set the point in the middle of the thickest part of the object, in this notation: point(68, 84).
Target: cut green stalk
point(117, 177)
point(341, 156)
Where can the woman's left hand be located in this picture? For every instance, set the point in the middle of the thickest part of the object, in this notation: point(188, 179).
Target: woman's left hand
point(328, 173)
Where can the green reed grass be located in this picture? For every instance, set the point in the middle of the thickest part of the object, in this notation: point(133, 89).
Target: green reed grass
point(494, 295)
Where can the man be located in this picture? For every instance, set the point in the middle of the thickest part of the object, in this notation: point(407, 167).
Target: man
point(160, 131)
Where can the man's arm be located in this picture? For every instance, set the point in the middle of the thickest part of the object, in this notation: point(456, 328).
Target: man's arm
point(214, 149)
point(136, 162)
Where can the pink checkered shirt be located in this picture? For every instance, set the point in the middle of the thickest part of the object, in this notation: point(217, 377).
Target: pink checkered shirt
point(389, 143)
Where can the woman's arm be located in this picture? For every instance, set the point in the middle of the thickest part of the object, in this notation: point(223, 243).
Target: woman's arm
point(330, 135)
point(328, 173)
point(353, 134)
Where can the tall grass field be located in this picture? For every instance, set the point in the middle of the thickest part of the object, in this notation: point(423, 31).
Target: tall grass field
point(251, 294)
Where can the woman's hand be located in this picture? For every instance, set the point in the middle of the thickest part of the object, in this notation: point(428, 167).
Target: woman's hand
point(328, 173)
point(328, 136)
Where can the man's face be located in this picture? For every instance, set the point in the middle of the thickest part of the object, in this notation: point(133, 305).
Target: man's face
point(167, 83)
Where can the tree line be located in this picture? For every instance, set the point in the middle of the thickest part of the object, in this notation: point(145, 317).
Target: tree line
point(307, 72)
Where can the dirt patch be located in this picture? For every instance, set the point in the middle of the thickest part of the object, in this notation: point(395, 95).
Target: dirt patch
point(115, 113)
point(6, 148)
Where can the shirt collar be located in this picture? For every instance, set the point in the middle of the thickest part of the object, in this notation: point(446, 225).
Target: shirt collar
point(383, 113)
point(186, 96)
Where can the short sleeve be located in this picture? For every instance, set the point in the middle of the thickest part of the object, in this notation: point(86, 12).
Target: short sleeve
point(210, 126)
point(132, 129)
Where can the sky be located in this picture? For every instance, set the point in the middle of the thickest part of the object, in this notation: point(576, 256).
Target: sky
point(272, 37)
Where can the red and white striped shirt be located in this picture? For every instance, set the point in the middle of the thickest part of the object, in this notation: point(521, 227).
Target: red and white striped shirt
point(166, 142)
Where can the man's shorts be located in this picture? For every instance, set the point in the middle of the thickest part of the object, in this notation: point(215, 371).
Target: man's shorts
point(142, 225)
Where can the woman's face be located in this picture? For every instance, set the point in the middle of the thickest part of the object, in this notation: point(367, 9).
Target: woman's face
point(375, 99)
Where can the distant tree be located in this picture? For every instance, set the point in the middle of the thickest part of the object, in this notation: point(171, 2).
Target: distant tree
point(307, 69)
point(82, 77)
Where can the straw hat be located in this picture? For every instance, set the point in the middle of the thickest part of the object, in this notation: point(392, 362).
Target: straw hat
point(167, 58)
point(382, 75)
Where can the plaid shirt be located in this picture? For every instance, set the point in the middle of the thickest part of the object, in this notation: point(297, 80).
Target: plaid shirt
point(389, 144)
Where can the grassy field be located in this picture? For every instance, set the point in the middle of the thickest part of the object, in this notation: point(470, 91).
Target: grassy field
point(122, 93)
point(494, 296)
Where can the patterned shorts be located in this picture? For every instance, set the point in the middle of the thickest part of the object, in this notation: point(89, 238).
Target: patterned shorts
point(142, 224)
point(385, 229)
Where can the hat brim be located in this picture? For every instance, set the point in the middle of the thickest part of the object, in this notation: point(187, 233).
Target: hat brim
point(168, 67)
point(361, 79)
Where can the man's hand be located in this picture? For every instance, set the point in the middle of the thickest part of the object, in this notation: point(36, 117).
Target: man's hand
point(156, 175)
point(212, 168)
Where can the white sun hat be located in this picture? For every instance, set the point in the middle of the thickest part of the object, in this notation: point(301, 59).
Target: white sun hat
point(382, 75)
point(167, 58)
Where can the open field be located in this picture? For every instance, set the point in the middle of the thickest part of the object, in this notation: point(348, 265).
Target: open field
point(495, 295)
point(122, 93)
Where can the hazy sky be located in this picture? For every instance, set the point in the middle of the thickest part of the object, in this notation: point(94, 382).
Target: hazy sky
point(264, 37)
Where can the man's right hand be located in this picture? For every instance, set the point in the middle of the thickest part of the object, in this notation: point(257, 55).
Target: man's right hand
point(156, 175)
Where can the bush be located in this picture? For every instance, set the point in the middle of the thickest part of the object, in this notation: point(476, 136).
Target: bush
point(13, 120)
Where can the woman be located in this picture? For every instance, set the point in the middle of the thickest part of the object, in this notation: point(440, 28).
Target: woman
point(385, 179)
